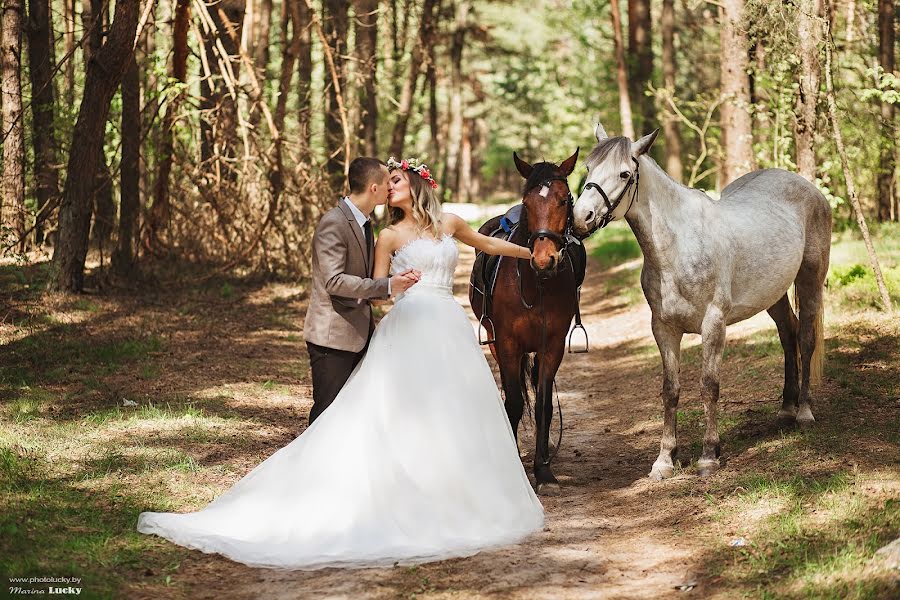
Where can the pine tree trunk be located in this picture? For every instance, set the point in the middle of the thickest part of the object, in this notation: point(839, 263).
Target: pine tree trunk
point(736, 122)
point(809, 35)
point(40, 65)
point(303, 31)
point(335, 27)
point(640, 52)
point(366, 54)
point(158, 216)
point(455, 127)
point(423, 39)
point(104, 74)
point(671, 132)
point(886, 167)
point(621, 73)
point(69, 35)
point(130, 174)
point(13, 197)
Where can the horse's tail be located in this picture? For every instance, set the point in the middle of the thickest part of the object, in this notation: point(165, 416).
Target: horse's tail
point(527, 375)
point(817, 362)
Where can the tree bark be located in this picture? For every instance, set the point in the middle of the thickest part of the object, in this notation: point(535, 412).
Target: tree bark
point(640, 52)
point(40, 65)
point(158, 216)
point(335, 28)
point(845, 163)
point(104, 74)
point(736, 122)
point(69, 35)
point(809, 33)
point(621, 73)
point(303, 31)
point(886, 166)
point(12, 120)
point(455, 127)
point(423, 39)
point(671, 132)
point(366, 55)
point(130, 174)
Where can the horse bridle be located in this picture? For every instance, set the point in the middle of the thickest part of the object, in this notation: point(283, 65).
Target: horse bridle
point(561, 239)
point(610, 207)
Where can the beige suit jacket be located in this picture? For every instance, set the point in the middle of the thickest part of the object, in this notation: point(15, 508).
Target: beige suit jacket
point(339, 315)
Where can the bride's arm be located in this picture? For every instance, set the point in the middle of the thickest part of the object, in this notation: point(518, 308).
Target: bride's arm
point(388, 242)
point(461, 231)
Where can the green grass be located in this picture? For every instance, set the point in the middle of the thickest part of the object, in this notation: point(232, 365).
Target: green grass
point(851, 279)
point(791, 552)
point(613, 245)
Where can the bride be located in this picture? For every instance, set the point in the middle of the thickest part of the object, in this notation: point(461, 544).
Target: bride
point(415, 459)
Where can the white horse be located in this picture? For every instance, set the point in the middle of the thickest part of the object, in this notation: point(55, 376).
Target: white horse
point(708, 264)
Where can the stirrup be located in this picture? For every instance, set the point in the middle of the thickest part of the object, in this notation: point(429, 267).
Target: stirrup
point(481, 326)
point(587, 347)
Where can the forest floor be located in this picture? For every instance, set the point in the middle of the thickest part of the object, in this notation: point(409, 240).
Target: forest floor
point(160, 398)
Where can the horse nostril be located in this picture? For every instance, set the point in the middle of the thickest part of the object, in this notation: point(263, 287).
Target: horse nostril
point(589, 216)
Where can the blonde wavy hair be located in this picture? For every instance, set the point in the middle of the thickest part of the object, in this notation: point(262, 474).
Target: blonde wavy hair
point(426, 208)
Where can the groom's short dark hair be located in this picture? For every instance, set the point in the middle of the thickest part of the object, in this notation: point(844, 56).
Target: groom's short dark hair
point(363, 172)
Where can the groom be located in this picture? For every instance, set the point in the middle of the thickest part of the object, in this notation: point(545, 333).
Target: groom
point(339, 319)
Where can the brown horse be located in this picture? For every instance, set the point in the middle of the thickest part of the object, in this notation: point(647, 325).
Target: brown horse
point(533, 305)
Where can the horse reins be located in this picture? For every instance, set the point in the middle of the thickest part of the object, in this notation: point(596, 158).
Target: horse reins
point(610, 207)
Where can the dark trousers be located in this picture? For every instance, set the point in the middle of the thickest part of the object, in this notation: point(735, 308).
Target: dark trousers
point(330, 370)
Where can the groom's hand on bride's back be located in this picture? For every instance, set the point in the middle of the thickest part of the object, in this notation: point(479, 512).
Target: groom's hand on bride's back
point(403, 281)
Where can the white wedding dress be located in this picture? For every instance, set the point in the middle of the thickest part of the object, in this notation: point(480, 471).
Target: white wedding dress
point(414, 460)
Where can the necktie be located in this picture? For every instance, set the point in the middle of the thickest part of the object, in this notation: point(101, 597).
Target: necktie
point(367, 228)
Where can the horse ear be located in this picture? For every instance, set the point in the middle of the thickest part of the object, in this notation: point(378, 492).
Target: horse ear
point(568, 165)
point(643, 145)
point(600, 132)
point(523, 167)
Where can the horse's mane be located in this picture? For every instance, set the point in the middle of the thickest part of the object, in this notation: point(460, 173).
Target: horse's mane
point(619, 147)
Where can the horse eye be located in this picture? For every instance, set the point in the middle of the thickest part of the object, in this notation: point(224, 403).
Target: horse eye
point(624, 175)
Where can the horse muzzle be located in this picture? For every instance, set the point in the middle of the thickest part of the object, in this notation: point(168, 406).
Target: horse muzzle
point(546, 268)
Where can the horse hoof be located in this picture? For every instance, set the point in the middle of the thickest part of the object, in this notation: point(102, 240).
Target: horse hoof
point(661, 471)
point(551, 488)
point(805, 417)
point(707, 466)
point(785, 415)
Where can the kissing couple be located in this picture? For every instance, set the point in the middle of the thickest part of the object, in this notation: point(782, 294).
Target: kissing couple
point(409, 456)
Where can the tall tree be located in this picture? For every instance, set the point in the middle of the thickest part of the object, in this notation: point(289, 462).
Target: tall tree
point(40, 63)
point(625, 115)
point(367, 64)
point(809, 34)
point(423, 39)
point(13, 196)
point(335, 27)
point(886, 165)
point(455, 127)
point(69, 35)
point(736, 122)
point(303, 32)
point(104, 74)
point(670, 124)
point(92, 15)
point(640, 51)
point(158, 216)
point(130, 173)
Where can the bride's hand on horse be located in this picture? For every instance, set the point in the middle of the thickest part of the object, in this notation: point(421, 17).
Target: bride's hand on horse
point(459, 229)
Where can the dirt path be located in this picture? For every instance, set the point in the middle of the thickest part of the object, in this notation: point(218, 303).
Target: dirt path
point(611, 533)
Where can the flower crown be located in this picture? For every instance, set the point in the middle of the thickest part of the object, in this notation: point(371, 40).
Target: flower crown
point(413, 164)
